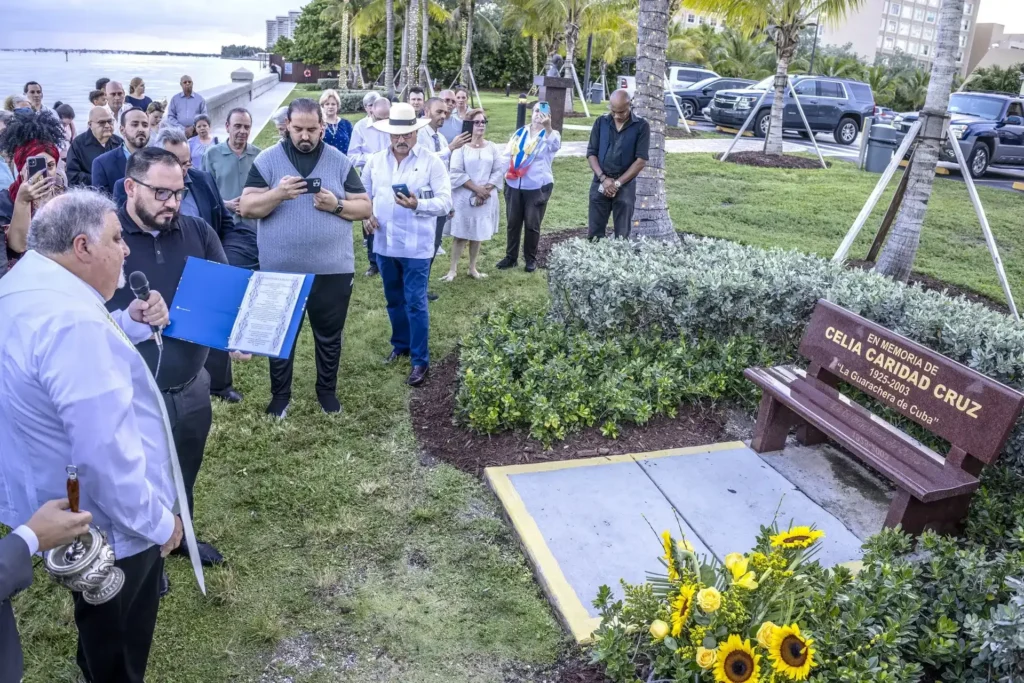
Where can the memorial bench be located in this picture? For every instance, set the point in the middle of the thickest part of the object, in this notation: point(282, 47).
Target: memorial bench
point(974, 413)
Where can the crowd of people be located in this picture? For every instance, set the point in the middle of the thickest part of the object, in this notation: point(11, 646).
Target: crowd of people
point(145, 187)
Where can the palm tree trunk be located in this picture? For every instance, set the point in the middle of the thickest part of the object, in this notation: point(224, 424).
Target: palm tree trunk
point(343, 67)
point(897, 257)
point(360, 83)
point(403, 71)
point(785, 46)
point(422, 78)
point(650, 215)
point(533, 54)
point(467, 49)
point(389, 49)
point(414, 34)
point(572, 35)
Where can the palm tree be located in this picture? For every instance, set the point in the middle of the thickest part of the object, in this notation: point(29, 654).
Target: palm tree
point(782, 21)
point(688, 44)
point(540, 28)
point(914, 88)
point(839, 67)
point(740, 56)
point(650, 215)
point(995, 78)
point(576, 16)
point(339, 14)
point(389, 48)
point(882, 80)
point(611, 44)
point(897, 257)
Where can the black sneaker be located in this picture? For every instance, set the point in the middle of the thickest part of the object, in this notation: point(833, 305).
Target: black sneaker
point(329, 403)
point(431, 296)
point(278, 407)
point(372, 270)
point(506, 263)
point(530, 266)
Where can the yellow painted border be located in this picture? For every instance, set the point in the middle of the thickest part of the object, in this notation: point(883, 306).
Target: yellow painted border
point(1018, 186)
point(733, 131)
point(558, 589)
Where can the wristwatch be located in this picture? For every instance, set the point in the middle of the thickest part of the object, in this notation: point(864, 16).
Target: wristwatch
point(601, 178)
point(338, 209)
point(617, 184)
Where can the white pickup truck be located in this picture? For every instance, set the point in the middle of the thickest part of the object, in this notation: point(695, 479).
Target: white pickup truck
point(677, 77)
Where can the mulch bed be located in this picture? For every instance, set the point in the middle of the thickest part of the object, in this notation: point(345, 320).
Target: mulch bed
point(928, 282)
point(549, 239)
point(762, 160)
point(680, 134)
point(572, 667)
point(433, 406)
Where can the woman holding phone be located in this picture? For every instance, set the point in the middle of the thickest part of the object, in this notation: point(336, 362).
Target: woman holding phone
point(476, 172)
point(528, 184)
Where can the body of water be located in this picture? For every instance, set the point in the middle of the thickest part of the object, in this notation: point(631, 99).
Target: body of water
point(71, 81)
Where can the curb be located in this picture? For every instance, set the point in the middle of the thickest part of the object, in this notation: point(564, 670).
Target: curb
point(1018, 186)
point(733, 131)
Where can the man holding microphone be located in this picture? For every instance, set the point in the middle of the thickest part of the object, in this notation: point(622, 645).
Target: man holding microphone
point(75, 391)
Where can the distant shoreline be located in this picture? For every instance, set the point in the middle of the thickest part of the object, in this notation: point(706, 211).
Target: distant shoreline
point(151, 53)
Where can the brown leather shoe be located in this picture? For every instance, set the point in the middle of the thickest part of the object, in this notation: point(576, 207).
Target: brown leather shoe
point(418, 375)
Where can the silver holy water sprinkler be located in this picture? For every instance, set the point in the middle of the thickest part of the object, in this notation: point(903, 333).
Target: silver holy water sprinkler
point(85, 565)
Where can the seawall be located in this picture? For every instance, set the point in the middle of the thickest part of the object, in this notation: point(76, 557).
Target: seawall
point(242, 90)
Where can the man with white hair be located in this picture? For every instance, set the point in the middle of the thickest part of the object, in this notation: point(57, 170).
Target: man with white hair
point(77, 392)
point(280, 119)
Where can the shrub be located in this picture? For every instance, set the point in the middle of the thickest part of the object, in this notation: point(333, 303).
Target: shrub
point(351, 100)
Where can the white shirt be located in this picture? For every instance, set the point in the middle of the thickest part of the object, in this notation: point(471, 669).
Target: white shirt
point(366, 140)
point(431, 140)
point(539, 174)
point(452, 127)
point(74, 391)
point(404, 233)
point(117, 117)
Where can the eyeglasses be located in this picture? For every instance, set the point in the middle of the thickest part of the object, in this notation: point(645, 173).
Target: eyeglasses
point(162, 194)
point(480, 123)
point(104, 122)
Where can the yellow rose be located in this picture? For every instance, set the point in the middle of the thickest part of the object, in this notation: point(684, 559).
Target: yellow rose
point(731, 559)
point(683, 544)
point(764, 634)
point(746, 581)
point(709, 600)
point(659, 629)
point(706, 658)
point(738, 567)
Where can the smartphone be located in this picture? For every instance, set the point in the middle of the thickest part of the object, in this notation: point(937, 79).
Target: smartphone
point(545, 108)
point(312, 185)
point(467, 127)
point(401, 189)
point(36, 164)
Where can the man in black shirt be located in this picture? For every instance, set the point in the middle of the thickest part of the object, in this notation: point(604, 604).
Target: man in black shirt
point(86, 147)
point(617, 152)
point(161, 241)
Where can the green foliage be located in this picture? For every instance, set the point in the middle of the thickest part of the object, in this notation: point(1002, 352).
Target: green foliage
point(239, 51)
point(1002, 637)
point(520, 369)
point(316, 41)
point(996, 79)
point(286, 48)
point(351, 100)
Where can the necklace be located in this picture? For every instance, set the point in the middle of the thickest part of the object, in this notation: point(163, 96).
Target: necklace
point(332, 128)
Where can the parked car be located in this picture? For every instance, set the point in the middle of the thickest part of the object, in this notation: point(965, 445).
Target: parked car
point(989, 127)
point(675, 77)
point(693, 99)
point(884, 115)
point(832, 105)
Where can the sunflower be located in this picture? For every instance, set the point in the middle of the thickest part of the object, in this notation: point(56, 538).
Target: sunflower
point(797, 537)
point(736, 662)
point(669, 557)
point(682, 605)
point(792, 655)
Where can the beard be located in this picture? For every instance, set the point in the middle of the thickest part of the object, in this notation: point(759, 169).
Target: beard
point(305, 146)
point(140, 140)
point(122, 280)
point(159, 222)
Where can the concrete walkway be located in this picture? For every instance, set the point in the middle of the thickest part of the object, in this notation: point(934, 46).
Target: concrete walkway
point(262, 108)
point(698, 146)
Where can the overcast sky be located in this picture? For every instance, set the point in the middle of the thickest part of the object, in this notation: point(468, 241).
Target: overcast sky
point(205, 25)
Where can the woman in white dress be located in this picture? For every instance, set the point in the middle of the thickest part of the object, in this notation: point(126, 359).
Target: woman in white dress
point(476, 171)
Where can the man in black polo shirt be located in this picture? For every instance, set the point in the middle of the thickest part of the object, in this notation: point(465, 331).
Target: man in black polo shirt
point(617, 152)
point(160, 240)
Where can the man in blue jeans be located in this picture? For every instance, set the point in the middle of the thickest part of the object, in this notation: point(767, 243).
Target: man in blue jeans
point(409, 188)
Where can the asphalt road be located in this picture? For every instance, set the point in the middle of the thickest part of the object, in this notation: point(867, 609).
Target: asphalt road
point(997, 177)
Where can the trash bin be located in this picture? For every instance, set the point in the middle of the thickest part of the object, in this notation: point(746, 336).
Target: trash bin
point(596, 93)
point(671, 113)
point(882, 143)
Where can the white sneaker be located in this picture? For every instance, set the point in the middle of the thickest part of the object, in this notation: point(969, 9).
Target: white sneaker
point(441, 251)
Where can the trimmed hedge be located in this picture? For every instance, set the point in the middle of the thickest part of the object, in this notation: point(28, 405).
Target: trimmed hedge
point(351, 100)
point(713, 288)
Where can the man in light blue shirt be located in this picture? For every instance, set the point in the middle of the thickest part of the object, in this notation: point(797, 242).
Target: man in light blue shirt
point(185, 107)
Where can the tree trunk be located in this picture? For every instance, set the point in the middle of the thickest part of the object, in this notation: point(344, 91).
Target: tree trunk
point(360, 83)
point(785, 46)
point(422, 79)
point(343, 67)
point(897, 258)
point(533, 54)
point(414, 47)
point(389, 49)
point(650, 215)
point(403, 70)
point(467, 49)
point(572, 35)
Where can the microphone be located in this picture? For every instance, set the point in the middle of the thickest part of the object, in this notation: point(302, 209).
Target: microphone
point(140, 287)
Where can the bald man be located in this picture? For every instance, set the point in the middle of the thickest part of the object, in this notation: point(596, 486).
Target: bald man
point(186, 106)
point(86, 147)
point(617, 152)
point(115, 105)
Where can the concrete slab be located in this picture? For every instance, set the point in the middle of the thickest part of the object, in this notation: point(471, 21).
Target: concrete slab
point(837, 483)
point(726, 495)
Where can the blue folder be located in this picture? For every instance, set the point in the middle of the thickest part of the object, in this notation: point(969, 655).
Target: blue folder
point(207, 302)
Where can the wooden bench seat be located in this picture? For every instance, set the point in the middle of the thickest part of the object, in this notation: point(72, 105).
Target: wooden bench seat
point(974, 413)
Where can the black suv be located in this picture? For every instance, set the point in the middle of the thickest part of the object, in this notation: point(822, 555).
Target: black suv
point(832, 105)
point(693, 99)
point(988, 126)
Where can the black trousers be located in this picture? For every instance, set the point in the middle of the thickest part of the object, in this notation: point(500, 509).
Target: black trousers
point(369, 250)
point(218, 363)
point(114, 638)
point(620, 207)
point(438, 235)
point(525, 207)
point(327, 308)
point(191, 416)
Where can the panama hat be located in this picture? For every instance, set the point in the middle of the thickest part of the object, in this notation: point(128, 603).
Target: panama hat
point(401, 120)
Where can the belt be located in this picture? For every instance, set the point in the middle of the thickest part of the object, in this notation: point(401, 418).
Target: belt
point(180, 388)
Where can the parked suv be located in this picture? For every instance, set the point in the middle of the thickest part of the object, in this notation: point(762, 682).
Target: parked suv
point(832, 105)
point(695, 98)
point(988, 126)
point(676, 76)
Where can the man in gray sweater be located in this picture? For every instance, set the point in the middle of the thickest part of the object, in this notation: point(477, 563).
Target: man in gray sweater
point(304, 231)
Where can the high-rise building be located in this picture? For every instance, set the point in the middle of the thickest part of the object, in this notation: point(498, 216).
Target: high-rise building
point(693, 19)
point(994, 47)
point(271, 33)
point(883, 28)
point(293, 20)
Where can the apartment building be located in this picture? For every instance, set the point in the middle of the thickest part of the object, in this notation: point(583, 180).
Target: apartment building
point(910, 27)
point(282, 27)
point(993, 46)
point(692, 19)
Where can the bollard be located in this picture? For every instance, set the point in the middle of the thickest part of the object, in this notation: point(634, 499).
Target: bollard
point(521, 111)
point(508, 89)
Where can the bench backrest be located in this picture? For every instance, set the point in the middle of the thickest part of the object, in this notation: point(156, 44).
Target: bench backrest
point(954, 402)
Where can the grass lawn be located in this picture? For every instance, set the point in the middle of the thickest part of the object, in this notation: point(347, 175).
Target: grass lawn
point(352, 558)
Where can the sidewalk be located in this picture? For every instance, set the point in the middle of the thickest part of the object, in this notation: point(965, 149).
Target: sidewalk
point(697, 146)
point(262, 108)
